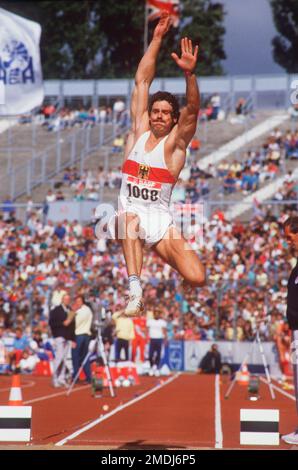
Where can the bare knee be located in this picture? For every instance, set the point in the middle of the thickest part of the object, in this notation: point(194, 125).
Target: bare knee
point(197, 277)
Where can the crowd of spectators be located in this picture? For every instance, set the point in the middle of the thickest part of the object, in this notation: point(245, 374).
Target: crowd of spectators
point(244, 175)
point(247, 269)
point(56, 118)
point(247, 264)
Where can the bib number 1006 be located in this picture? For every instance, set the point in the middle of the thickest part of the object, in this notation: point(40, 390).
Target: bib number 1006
point(144, 193)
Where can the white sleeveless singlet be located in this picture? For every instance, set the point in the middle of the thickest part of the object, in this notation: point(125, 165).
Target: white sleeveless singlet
point(146, 179)
point(146, 189)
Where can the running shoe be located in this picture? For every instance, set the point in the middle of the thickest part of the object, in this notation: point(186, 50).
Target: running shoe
point(134, 307)
point(291, 438)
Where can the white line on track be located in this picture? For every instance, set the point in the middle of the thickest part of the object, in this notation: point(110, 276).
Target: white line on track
point(115, 411)
point(280, 390)
point(218, 425)
point(54, 395)
point(28, 384)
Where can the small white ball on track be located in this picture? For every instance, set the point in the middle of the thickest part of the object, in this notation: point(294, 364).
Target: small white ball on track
point(126, 383)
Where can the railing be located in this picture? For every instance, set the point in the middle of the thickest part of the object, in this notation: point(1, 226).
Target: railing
point(84, 208)
point(68, 150)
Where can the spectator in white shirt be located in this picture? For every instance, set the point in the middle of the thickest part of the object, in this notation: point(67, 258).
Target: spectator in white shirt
point(157, 332)
point(83, 321)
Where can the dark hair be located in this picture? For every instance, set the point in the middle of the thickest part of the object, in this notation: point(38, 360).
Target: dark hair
point(292, 223)
point(165, 96)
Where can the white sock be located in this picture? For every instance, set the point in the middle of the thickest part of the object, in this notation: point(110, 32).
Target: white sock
point(135, 287)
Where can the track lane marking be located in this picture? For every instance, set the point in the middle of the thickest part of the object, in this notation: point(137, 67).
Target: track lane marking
point(280, 390)
point(115, 411)
point(29, 384)
point(218, 423)
point(54, 395)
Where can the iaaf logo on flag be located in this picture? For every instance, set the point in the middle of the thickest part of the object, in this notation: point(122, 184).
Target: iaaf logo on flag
point(16, 65)
point(20, 67)
point(155, 7)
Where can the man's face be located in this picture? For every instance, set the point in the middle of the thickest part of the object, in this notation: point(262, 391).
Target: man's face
point(79, 302)
point(66, 300)
point(292, 238)
point(161, 119)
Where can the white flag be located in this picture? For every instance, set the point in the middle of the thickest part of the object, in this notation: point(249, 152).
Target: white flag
point(20, 69)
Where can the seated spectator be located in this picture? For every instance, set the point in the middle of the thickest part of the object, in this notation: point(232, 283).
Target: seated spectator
point(240, 106)
point(211, 362)
point(48, 111)
point(194, 145)
point(229, 184)
point(42, 349)
point(60, 196)
point(19, 345)
point(223, 169)
point(118, 144)
point(28, 362)
point(293, 112)
point(50, 197)
point(236, 169)
point(4, 357)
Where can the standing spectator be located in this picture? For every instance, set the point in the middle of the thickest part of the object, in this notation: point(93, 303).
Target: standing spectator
point(215, 103)
point(60, 231)
point(157, 332)
point(140, 339)
point(8, 209)
point(83, 322)
point(124, 333)
point(291, 232)
point(118, 108)
point(58, 294)
point(63, 330)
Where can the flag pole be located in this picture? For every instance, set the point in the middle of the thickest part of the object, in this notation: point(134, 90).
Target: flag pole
point(146, 28)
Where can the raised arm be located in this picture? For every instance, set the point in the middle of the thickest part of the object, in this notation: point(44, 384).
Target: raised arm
point(145, 73)
point(188, 117)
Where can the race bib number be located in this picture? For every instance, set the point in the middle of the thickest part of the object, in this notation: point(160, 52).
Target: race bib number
point(148, 191)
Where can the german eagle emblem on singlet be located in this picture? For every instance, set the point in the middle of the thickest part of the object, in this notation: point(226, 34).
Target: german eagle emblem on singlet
point(144, 172)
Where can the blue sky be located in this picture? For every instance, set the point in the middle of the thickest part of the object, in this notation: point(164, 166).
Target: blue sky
point(249, 32)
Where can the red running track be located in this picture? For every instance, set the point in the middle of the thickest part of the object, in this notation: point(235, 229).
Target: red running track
point(177, 412)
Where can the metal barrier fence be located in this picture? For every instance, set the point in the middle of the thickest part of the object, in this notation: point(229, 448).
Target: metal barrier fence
point(68, 150)
point(83, 210)
point(265, 91)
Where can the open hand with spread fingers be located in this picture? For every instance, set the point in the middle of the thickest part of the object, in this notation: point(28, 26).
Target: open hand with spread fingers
point(188, 60)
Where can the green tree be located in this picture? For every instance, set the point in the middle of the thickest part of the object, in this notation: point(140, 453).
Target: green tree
point(285, 45)
point(122, 26)
point(201, 21)
point(103, 39)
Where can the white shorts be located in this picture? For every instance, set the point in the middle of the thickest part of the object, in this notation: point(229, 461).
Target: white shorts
point(154, 222)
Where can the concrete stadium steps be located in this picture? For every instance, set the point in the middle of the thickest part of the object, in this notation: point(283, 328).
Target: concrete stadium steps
point(218, 133)
point(216, 184)
point(243, 142)
point(73, 143)
point(212, 135)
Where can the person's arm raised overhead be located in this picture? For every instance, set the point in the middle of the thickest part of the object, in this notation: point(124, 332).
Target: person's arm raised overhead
point(143, 79)
point(187, 122)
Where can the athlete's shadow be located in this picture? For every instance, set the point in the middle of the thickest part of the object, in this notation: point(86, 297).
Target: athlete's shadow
point(140, 445)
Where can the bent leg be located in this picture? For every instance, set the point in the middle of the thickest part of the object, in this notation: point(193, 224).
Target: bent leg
point(132, 245)
point(175, 251)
